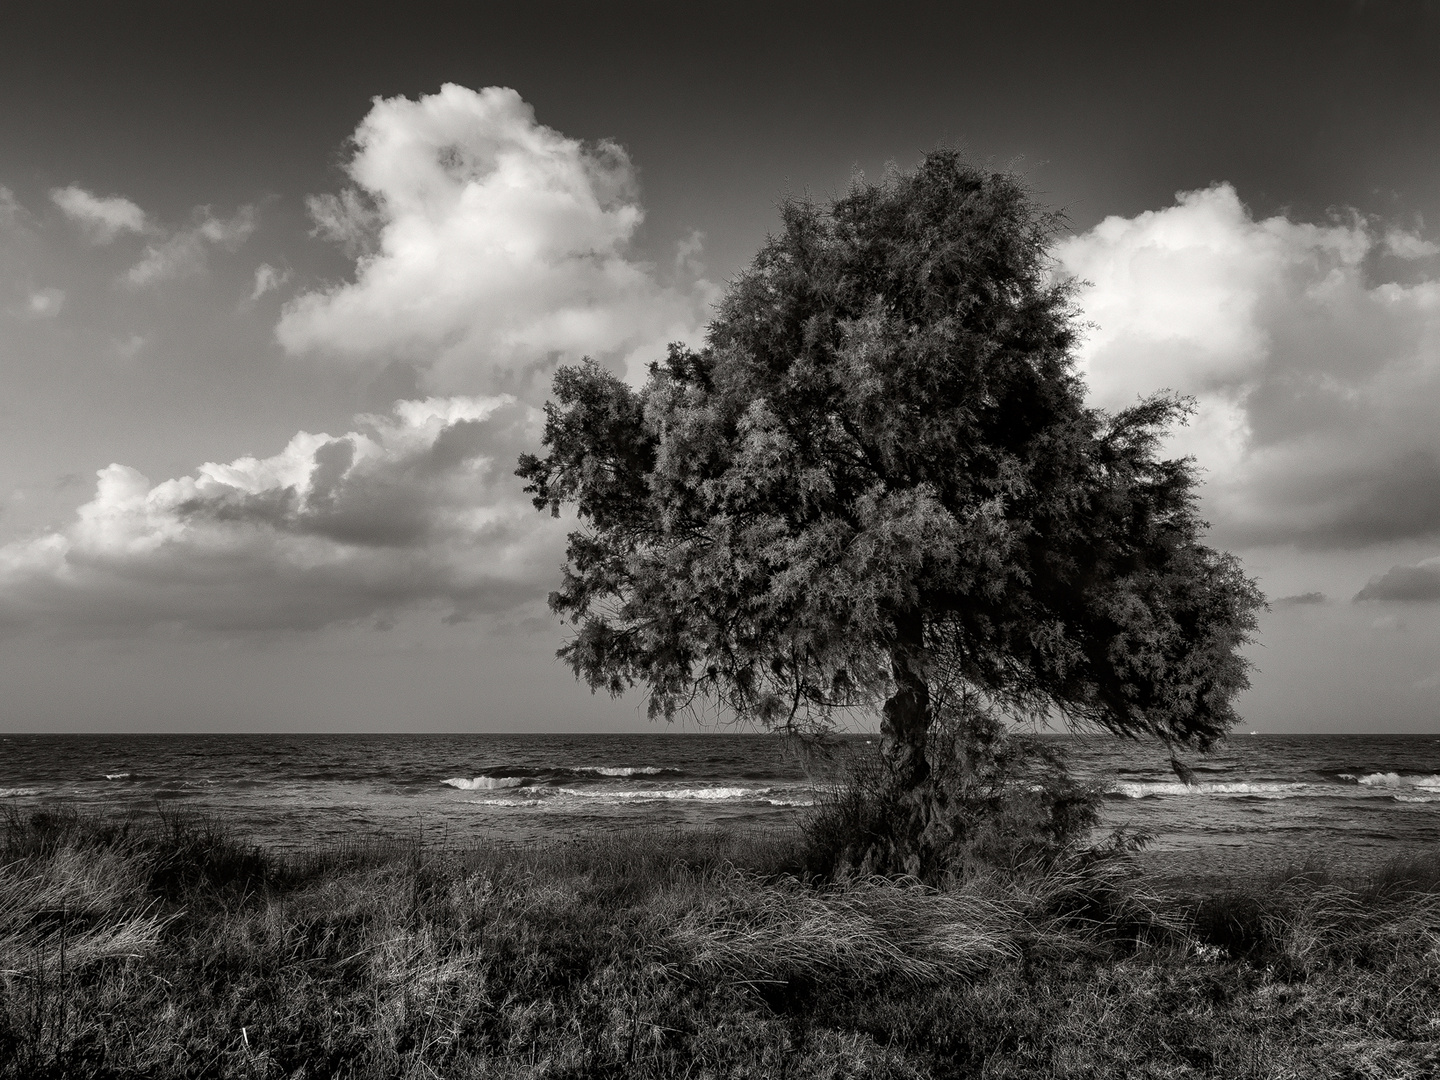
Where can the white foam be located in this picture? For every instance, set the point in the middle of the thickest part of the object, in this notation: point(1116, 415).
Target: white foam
point(17, 792)
point(621, 771)
point(484, 783)
point(536, 796)
point(1267, 789)
point(118, 775)
point(1395, 780)
point(708, 794)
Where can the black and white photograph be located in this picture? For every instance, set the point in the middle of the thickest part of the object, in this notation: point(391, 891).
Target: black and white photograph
point(558, 540)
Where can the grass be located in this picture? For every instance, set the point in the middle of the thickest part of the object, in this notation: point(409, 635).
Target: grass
point(168, 948)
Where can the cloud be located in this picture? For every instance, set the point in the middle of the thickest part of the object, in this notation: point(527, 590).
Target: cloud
point(1301, 599)
point(173, 253)
point(44, 303)
point(1318, 387)
point(488, 246)
point(128, 348)
point(418, 507)
point(1407, 245)
point(267, 279)
point(182, 253)
point(102, 219)
point(1420, 582)
point(349, 219)
point(13, 216)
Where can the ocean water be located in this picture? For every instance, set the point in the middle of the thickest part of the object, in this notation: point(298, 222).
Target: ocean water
point(1260, 802)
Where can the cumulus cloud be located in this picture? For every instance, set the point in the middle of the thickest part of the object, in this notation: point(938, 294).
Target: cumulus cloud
point(487, 248)
point(1420, 582)
point(416, 507)
point(267, 279)
point(1407, 245)
point(184, 252)
point(488, 245)
point(1318, 387)
point(102, 218)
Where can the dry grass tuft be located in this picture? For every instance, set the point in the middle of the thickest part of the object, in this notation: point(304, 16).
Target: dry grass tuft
point(751, 930)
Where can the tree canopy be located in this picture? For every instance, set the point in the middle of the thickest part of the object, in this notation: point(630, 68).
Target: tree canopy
point(879, 483)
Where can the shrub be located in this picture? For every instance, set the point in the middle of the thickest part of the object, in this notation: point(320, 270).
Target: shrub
point(993, 800)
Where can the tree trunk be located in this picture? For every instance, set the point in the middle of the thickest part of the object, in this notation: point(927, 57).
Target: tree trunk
point(905, 719)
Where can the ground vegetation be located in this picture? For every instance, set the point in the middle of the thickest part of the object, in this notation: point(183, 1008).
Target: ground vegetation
point(137, 948)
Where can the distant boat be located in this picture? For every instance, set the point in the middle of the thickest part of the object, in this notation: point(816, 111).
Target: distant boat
point(1254, 733)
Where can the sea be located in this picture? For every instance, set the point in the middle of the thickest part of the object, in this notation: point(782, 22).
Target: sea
point(1258, 804)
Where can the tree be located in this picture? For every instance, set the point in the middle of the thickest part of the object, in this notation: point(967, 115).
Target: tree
point(878, 484)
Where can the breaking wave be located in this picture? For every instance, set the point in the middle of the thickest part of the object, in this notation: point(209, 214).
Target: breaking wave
point(707, 794)
point(486, 783)
point(18, 792)
point(1265, 789)
point(523, 776)
point(1399, 780)
point(535, 796)
point(1399, 786)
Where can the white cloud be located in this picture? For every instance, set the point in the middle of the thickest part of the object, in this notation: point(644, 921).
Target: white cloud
point(267, 279)
point(103, 219)
point(44, 303)
point(487, 249)
point(487, 245)
point(183, 252)
point(1318, 388)
point(1407, 245)
point(417, 507)
point(348, 219)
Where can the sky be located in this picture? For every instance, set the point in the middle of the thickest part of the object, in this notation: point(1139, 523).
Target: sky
point(282, 288)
